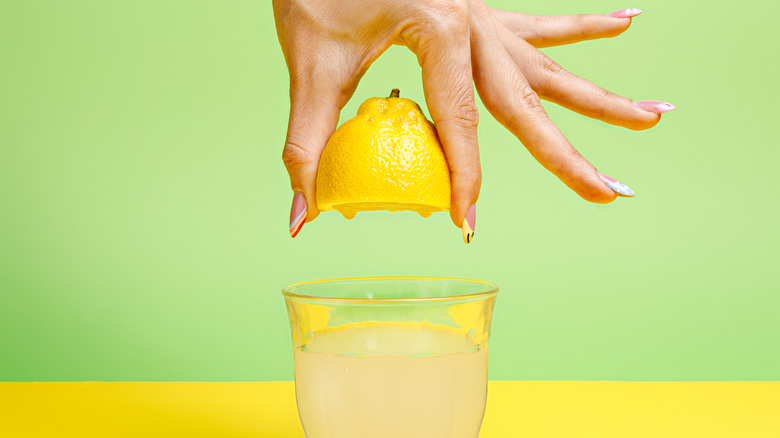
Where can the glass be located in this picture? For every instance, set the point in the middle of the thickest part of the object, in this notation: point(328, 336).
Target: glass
point(391, 357)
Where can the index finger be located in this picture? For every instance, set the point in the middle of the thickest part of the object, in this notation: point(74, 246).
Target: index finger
point(443, 51)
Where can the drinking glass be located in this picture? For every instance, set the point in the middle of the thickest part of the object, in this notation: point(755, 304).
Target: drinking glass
point(391, 357)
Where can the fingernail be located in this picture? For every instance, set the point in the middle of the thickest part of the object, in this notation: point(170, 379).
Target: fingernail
point(655, 106)
point(617, 186)
point(297, 213)
point(469, 221)
point(625, 13)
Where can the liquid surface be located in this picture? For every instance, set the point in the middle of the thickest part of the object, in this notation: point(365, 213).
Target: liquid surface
point(391, 381)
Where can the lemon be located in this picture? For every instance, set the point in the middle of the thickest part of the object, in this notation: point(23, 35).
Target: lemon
point(388, 157)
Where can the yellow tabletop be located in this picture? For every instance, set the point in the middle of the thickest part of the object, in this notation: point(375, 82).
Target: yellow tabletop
point(514, 409)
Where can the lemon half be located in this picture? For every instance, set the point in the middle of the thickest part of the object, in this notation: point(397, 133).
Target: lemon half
point(388, 157)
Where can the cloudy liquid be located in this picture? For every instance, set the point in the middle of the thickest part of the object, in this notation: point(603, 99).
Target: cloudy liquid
point(378, 391)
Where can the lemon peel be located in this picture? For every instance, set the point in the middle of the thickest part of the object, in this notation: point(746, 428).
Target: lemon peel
point(388, 157)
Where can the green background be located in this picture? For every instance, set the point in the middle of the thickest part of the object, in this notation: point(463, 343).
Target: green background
point(144, 204)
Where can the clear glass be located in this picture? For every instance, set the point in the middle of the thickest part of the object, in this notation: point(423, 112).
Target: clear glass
point(391, 357)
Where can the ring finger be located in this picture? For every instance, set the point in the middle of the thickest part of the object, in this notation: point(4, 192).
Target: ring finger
point(556, 84)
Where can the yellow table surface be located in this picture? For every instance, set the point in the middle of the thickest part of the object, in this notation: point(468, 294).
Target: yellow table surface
point(514, 409)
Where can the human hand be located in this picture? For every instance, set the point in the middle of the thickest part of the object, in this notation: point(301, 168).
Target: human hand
point(329, 45)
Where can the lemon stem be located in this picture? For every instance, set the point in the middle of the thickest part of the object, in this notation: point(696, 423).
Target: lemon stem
point(395, 92)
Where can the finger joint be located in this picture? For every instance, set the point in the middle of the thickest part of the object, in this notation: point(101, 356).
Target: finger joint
point(295, 155)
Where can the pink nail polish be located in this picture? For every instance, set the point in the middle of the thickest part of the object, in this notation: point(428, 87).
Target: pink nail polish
point(617, 186)
point(655, 106)
point(469, 222)
point(297, 213)
point(625, 13)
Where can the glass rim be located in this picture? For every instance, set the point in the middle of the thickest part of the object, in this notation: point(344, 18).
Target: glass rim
point(492, 289)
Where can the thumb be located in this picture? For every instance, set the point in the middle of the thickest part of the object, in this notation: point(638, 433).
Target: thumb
point(313, 119)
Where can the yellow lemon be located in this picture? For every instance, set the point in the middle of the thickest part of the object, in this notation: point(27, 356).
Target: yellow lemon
point(386, 158)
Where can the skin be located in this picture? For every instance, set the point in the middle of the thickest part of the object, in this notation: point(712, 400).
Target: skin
point(329, 45)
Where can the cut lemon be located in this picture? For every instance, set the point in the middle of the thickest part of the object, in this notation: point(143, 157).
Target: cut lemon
point(386, 158)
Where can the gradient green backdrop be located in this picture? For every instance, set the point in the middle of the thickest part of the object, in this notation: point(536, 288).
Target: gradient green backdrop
point(144, 204)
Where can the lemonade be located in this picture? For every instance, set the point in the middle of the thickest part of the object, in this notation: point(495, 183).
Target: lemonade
point(391, 380)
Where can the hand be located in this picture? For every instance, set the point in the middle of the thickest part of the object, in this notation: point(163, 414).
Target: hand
point(329, 45)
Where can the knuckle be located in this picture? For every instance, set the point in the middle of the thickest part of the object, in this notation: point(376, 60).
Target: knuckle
point(446, 16)
point(528, 98)
point(550, 67)
point(548, 75)
point(295, 155)
point(465, 116)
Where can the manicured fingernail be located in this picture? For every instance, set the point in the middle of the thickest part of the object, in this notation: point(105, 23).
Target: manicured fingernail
point(655, 106)
point(297, 213)
point(469, 222)
point(617, 186)
point(625, 13)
